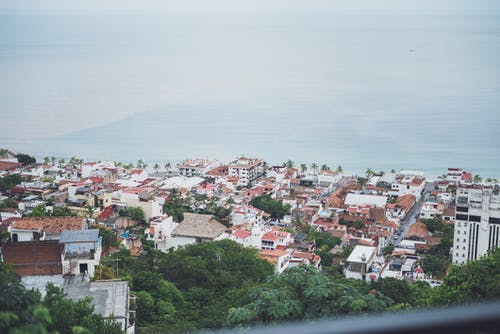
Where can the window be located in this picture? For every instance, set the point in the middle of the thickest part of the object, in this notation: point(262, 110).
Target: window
point(462, 217)
point(474, 218)
point(465, 240)
point(458, 239)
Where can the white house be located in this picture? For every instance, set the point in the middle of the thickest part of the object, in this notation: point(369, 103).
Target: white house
point(81, 252)
point(196, 228)
point(359, 262)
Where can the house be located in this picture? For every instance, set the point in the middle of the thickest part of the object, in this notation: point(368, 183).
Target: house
point(81, 251)
point(276, 239)
point(196, 228)
point(304, 258)
point(279, 258)
point(359, 262)
point(44, 228)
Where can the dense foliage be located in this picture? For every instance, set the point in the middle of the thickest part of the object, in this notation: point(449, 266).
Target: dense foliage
point(25, 159)
point(192, 287)
point(271, 206)
point(10, 181)
point(57, 211)
point(437, 261)
point(136, 213)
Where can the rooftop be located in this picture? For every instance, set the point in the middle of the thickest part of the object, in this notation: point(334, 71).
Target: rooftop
point(199, 226)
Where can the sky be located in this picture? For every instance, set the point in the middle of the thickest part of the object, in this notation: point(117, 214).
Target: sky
point(201, 7)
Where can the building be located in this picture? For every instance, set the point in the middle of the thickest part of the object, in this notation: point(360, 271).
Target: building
point(81, 251)
point(44, 228)
point(359, 262)
point(197, 167)
point(111, 298)
point(246, 170)
point(477, 223)
point(196, 228)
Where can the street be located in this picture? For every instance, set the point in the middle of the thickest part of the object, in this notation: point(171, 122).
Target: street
point(410, 218)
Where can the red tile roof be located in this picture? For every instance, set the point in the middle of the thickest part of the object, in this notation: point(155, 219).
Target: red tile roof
point(242, 233)
point(49, 224)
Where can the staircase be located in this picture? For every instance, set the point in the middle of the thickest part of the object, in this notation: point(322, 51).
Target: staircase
point(72, 267)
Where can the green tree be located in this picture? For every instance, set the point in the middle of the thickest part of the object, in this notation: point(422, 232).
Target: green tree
point(304, 293)
point(271, 206)
point(289, 163)
point(303, 168)
point(4, 153)
point(477, 179)
point(134, 212)
point(369, 172)
point(314, 167)
point(25, 159)
point(361, 181)
point(10, 181)
point(339, 169)
point(39, 211)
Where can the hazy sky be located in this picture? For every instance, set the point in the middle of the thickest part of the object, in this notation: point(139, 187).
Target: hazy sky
point(398, 7)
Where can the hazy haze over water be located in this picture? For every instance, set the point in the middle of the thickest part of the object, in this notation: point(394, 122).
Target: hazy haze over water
point(341, 87)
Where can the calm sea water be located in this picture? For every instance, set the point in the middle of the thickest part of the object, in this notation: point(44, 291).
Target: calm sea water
point(360, 91)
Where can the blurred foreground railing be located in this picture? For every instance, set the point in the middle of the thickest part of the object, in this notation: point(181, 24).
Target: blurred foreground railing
point(483, 318)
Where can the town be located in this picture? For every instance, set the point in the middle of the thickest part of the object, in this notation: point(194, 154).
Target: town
point(62, 220)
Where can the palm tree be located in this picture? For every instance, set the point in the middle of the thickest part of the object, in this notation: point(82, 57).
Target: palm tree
point(61, 161)
point(53, 160)
point(89, 211)
point(314, 167)
point(167, 166)
point(4, 153)
point(156, 167)
point(369, 172)
point(303, 168)
point(489, 180)
point(393, 171)
point(324, 168)
point(289, 163)
point(477, 178)
point(46, 160)
point(381, 173)
point(339, 169)
point(140, 163)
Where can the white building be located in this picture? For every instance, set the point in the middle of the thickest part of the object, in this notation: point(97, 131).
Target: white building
point(82, 251)
point(362, 199)
point(197, 167)
point(477, 223)
point(359, 262)
point(196, 228)
point(246, 170)
point(409, 182)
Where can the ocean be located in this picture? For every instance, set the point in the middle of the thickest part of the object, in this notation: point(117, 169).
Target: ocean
point(413, 92)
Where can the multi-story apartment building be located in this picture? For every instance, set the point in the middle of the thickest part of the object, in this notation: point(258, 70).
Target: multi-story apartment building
point(477, 223)
point(197, 167)
point(246, 170)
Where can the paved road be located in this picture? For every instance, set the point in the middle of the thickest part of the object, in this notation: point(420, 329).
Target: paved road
point(410, 218)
